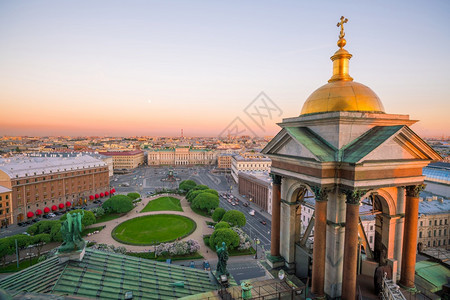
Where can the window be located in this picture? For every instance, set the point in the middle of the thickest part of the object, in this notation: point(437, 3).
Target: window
point(440, 222)
point(420, 234)
point(430, 223)
point(429, 244)
point(429, 233)
point(370, 239)
point(371, 227)
point(421, 223)
point(434, 233)
point(439, 232)
point(435, 222)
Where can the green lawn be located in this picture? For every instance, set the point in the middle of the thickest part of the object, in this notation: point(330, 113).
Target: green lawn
point(153, 229)
point(108, 217)
point(163, 203)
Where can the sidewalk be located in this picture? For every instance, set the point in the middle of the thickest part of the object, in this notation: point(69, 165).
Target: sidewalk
point(104, 236)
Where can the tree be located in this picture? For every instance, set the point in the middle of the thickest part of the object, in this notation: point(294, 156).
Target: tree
point(6, 248)
point(234, 218)
point(192, 194)
point(39, 241)
point(218, 214)
point(187, 185)
point(118, 204)
point(205, 201)
point(44, 226)
point(226, 235)
point(88, 218)
point(23, 241)
point(55, 232)
point(134, 196)
point(221, 225)
point(200, 187)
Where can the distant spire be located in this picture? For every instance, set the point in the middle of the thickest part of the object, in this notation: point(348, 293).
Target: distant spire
point(341, 57)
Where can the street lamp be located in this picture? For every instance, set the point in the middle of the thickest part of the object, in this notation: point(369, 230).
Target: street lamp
point(256, 247)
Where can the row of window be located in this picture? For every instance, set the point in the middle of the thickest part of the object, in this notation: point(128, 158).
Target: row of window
point(6, 197)
point(56, 176)
point(438, 232)
point(435, 222)
point(1, 211)
point(438, 243)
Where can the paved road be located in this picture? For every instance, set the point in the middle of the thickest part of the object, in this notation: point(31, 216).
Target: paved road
point(147, 178)
point(241, 268)
point(254, 228)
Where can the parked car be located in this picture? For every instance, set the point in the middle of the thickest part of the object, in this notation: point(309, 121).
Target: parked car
point(35, 220)
point(51, 215)
point(46, 216)
point(246, 204)
point(192, 265)
point(26, 233)
point(20, 223)
point(263, 222)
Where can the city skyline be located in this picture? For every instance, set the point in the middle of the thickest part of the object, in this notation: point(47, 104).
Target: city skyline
point(153, 68)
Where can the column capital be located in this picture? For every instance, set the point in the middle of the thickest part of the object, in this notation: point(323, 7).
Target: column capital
point(320, 193)
point(275, 178)
point(354, 196)
point(414, 190)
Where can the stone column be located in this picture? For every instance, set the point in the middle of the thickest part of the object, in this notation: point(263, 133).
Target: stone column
point(276, 201)
point(351, 244)
point(399, 230)
point(320, 242)
point(410, 235)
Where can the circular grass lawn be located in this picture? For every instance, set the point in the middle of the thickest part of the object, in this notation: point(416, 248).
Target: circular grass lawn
point(153, 229)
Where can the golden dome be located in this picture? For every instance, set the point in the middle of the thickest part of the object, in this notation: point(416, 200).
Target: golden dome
point(341, 93)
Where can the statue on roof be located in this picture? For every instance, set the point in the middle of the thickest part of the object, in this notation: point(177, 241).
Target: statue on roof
point(222, 255)
point(71, 232)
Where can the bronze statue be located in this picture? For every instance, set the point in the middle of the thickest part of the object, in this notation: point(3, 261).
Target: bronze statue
point(71, 233)
point(222, 254)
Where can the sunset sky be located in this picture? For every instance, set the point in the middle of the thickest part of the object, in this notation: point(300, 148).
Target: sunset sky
point(153, 67)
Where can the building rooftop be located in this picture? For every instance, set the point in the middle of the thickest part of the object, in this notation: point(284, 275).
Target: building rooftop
point(432, 205)
point(120, 153)
point(104, 275)
point(4, 189)
point(21, 166)
point(255, 157)
point(438, 172)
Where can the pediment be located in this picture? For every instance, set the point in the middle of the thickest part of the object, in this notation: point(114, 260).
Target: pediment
point(300, 142)
point(292, 148)
point(388, 143)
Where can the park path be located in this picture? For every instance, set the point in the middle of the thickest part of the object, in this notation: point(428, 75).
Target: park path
point(105, 237)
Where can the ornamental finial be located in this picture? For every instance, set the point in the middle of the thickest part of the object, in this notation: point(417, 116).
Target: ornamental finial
point(341, 43)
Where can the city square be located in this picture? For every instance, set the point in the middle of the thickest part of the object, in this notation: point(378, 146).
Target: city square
point(206, 150)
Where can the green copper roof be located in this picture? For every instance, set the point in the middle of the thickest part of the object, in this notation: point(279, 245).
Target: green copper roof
point(105, 275)
point(432, 275)
point(363, 145)
point(313, 142)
